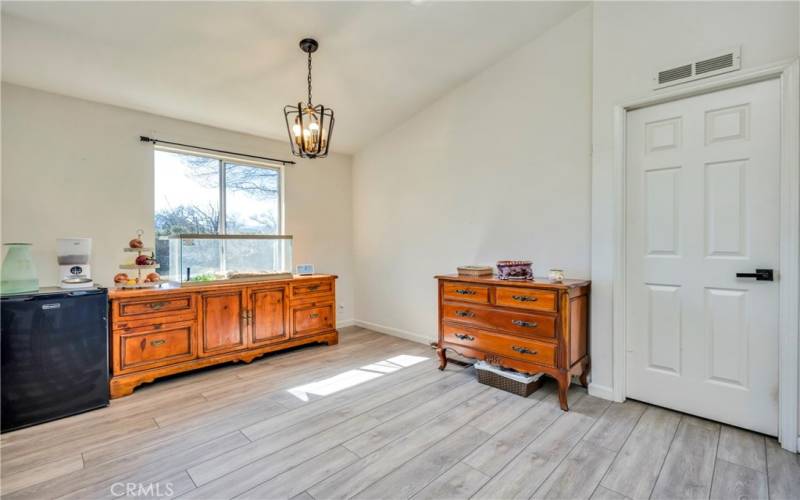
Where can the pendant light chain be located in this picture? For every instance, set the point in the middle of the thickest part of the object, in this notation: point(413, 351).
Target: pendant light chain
point(309, 79)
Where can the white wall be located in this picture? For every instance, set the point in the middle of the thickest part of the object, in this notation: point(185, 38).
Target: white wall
point(76, 168)
point(455, 185)
point(631, 42)
point(499, 168)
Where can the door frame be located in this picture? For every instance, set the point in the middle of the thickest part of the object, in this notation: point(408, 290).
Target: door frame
point(788, 73)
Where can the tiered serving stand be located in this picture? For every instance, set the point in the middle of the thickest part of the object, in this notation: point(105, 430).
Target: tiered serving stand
point(140, 283)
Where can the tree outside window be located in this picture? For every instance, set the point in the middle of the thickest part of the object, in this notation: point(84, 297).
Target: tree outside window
point(208, 195)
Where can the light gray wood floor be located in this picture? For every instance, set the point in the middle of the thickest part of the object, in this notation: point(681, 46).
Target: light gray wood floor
point(373, 425)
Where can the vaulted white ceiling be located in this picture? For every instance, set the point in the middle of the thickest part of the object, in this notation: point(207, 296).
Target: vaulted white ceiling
point(236, 64)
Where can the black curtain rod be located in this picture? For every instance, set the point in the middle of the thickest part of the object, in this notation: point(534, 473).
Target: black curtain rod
point(144, 138)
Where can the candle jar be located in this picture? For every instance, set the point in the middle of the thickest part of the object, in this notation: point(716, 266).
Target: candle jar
point(556, 275)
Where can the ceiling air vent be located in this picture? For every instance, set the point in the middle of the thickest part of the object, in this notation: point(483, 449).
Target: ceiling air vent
point(729, 60)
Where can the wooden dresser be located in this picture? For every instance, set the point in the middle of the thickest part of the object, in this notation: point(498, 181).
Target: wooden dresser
point(159, 332)
point(530, 326)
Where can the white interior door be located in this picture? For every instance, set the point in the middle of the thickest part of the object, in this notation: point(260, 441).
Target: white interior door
point(702, 206)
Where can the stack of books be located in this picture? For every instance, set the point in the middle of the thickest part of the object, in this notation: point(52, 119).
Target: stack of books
point(475, 270)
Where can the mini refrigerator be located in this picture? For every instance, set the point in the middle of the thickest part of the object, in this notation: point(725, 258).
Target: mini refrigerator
point(54, 354)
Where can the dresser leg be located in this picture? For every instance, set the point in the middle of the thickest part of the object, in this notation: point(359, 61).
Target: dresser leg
point(563, 387)
point(442, 358)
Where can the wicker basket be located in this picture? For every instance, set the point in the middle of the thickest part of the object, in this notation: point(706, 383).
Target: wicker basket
point(508, 381)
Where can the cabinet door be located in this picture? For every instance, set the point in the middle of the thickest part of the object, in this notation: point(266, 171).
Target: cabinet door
point(224, 322)
point(268, 316)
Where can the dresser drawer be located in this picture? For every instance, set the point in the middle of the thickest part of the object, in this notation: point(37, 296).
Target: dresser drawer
point(508, 346)
point(181, 305)
point(525, 298)
point(155, 345)
point(311, 288)
point(312, 318)
point(465, 293)
point(534, 325)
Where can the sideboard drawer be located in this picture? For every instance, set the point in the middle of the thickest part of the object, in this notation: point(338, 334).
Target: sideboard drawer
point(525, 298)
point(155, 345)
point(465, 292)
point(542, 353)
point(535, 325)
point(313, 288)
point(133, 309)
point(311, 318)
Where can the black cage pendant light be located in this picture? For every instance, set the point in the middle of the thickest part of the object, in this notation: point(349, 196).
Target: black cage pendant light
point(309, 126)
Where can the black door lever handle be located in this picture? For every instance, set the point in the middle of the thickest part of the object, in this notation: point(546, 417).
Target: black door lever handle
point(759, 275)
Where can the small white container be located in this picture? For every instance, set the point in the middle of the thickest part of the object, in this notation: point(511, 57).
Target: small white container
point(73, 251)
point(556, 275)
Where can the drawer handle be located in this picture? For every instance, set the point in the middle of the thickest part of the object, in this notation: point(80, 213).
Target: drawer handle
point(157, 305)
point(462, 291)
point(158, 342)
point(464, 337)
point(523, 350)
point(524, 298)
point(526, 324)
point(313, 315)
point(465, 314)
point(311, 288)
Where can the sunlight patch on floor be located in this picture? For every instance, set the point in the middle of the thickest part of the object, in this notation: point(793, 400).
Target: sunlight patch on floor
point(352, 378)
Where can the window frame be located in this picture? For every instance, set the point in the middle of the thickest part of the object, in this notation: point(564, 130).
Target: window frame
point(235, 160)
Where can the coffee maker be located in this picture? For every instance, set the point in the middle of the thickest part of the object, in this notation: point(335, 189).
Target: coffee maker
point(73, 262)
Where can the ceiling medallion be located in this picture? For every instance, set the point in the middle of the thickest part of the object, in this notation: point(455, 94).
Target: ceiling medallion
point(309, 126)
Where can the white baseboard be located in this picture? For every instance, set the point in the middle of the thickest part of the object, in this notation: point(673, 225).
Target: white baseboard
point(403, 334)
point(601, 391)
point(345, 323)
point(786, 444)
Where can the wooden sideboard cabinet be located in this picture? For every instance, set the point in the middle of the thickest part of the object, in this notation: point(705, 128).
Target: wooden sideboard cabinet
point(529, 326)
point(159, 332)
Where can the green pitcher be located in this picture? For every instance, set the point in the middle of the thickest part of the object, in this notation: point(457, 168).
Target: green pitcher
point(19, 272)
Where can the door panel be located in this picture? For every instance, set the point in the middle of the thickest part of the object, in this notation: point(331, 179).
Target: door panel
point(268, 316)
point(223, 322)
point(664, 328)
point(726, 336)
point(702, 204)
point(725, 209)
point(662, 188)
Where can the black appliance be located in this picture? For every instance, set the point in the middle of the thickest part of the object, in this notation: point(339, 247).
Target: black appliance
point(54, 354)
